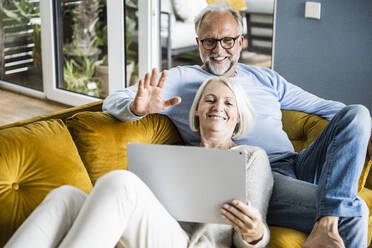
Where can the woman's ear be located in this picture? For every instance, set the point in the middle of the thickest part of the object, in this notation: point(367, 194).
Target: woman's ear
point(236, 129)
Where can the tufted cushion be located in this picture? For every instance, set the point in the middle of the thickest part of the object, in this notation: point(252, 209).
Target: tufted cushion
point(302, 128)
point(285, 237)
point(34, 159)
point(101, 139)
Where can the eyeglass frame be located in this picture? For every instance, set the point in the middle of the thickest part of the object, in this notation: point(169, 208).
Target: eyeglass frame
point(219, 40)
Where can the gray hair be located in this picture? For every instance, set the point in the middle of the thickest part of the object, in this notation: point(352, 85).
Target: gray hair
point(218, 7)
point(245, 109)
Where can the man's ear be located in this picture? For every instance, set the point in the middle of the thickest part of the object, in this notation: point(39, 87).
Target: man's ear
point(197, 40)
point(241, 40)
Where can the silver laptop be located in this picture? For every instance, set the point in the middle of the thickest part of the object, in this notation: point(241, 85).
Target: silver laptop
point(192, 183)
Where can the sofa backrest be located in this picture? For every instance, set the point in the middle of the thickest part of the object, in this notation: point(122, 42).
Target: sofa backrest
point(62, 115)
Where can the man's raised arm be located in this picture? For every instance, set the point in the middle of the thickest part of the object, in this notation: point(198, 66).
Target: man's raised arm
point(139, 100)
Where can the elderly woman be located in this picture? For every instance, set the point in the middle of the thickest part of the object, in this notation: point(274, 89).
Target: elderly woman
point(122, 211)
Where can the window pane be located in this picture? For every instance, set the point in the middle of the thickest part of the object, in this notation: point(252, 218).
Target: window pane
point(131, 40)
point(82, 47)
point(20, 43)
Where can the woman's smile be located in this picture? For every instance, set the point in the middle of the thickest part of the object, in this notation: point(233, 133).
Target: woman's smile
point(216, 117)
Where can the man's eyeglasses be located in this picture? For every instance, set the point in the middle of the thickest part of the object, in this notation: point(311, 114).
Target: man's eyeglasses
point(226, 42)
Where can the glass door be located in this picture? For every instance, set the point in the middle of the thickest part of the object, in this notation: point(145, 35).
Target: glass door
point(81, 43)
point(95, 48)
point(20, 45)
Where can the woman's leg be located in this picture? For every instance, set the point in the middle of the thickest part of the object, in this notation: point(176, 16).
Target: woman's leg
point(121, 207)
point(50, 221)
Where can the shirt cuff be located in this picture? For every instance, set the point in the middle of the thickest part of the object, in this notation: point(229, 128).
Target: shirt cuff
point(132, 116)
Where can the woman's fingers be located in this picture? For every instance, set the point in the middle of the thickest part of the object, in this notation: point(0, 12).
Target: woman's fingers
point(247, 209)
point(237, 216)
point(233, 220)
point(245, 219)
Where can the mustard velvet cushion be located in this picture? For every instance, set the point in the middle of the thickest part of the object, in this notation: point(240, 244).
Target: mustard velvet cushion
point(285, 238)
point(101, 139)
point(302, 129)
point(35, 159)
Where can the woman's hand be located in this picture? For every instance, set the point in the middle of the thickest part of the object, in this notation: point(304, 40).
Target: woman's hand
point(149, 97)
point(245, 219)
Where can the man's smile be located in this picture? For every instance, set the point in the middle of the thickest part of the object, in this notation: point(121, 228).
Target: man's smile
point(219, 59)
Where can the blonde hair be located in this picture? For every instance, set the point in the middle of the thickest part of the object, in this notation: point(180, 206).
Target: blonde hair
point(245, 109)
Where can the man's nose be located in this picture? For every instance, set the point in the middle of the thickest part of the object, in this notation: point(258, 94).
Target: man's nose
point(218, 47)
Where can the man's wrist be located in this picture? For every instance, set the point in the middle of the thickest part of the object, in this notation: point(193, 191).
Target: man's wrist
point(133, 112)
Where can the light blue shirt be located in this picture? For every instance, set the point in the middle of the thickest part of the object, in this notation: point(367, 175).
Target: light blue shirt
point(266, 89)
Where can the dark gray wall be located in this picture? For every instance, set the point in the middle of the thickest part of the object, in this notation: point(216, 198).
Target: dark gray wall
point(330, 57)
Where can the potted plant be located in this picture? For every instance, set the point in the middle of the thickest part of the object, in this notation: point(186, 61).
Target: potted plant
point(80, 77)
point(101, 41)
point(27, 12)
point(85, 17)
point(131, 26)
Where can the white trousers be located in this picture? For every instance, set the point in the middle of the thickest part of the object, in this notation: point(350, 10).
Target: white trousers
point(120, 211)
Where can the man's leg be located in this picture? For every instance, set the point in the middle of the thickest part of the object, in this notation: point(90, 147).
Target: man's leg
point(122, 208)
point(50, 221)
point(293, 205)
point(334, 162)
point(354, 229)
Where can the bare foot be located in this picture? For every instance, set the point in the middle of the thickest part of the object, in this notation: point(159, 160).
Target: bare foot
point(324, 234)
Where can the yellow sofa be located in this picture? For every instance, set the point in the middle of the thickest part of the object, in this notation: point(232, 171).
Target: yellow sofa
point(78, 145)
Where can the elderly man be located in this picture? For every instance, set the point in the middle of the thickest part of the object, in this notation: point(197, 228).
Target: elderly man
point(315, 190)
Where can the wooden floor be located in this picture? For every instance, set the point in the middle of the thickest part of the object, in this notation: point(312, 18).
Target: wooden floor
point(16, 107)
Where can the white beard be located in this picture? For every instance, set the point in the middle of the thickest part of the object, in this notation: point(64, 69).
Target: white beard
point(221, 69)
